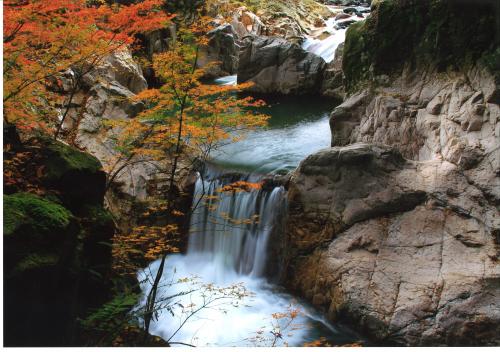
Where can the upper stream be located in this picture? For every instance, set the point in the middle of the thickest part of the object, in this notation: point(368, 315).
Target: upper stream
point(217, 294)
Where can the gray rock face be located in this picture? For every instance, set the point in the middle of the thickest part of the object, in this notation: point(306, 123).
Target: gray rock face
point(431, 116)
point(405, 250)
point(221, 53)
point(275, 65)
point(106, 95)
point(396, 227)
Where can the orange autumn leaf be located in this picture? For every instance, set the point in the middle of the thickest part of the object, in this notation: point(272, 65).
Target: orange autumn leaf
point(44, 38)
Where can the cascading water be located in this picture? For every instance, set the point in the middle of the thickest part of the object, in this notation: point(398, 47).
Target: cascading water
point(228, 244)
point(232, 230)
point(336, 29)
point(230, 234)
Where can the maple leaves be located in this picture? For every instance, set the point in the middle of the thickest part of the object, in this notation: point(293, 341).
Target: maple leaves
point(241, 186)
point(44, 38)
point(185, 118)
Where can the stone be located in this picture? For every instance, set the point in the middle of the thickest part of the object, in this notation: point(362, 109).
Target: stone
point(394, 229)
point(245, 23)
point(378, 246)
point(275, 65)
point(332, 85)
point(78, 176)
point(342, 16)
point(221, 53)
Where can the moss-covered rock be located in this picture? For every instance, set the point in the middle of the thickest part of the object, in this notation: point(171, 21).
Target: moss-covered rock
point(56, 243)
point(98, 229)
point(67, 159)
point(78, 176)
point(36, 261)
point(443, 33)
point(29, 215)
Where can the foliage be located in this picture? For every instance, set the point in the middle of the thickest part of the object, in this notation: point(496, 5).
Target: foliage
point(443, 34)
point(16, 165)
point(44, 38)
point(28, 212)
point(144, 243)
point(282, 326)
point(109, 317)
point(34, 261)
point(241, 186)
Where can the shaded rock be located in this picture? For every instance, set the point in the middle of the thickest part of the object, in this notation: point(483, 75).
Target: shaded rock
point(333, 78)
point(221, 53)
point(275, 65)
point(78, 176)
point(397, 32)
point(55, 261)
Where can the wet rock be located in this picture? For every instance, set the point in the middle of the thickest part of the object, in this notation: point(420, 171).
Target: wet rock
point(342, 16)
point(275, 65)
point(221, 53)
point(333, 84)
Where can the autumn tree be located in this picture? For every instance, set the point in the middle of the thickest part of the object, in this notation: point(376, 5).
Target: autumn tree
point(184, 121)
point(42, 39)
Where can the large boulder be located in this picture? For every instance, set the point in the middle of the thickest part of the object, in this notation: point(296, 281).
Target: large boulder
point(452, 117)
point(395, 228)
point(275, 65)
point(106, 94)
point(407, 251)
point(77, 176)
point(56, 244)
point(220, 55)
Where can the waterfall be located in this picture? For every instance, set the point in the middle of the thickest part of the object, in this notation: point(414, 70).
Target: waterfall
point(336, 28)
point(227, 80)
point(219, 229)
point(230, 236)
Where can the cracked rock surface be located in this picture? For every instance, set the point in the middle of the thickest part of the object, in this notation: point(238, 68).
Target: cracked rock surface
point(395, 229)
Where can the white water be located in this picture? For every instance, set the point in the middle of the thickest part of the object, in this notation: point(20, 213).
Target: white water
point(223, 254)
point(225, 264)
point(233, 248)
point(326, 47)
point(227, 80)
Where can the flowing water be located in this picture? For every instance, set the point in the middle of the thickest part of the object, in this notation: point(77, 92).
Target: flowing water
point(335, 30)
point(228, 248)
point(217, 294)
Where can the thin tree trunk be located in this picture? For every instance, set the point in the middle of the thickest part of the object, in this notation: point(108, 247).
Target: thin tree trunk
point(150, 302)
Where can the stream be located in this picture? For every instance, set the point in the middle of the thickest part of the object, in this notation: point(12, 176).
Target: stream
point(218, 294)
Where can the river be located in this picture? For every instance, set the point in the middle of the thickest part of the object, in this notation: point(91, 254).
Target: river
point(217, 294)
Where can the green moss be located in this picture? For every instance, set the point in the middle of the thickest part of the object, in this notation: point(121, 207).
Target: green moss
point(36, 261)
point(448, 35)
point(28, 212)
point(492, 62)
point(63, 159)
point(356, 61)
point(98, 216)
